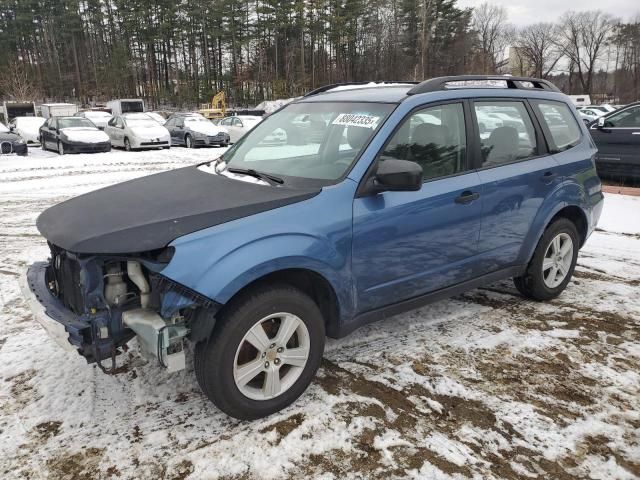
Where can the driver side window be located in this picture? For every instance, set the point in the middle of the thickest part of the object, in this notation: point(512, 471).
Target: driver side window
point(629, 118)
point(434, 138)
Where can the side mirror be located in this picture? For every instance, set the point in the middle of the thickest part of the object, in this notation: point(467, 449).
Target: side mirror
point(600, 122)
point(395, 175)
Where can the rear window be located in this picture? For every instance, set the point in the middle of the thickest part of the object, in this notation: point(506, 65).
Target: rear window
point(561, 125)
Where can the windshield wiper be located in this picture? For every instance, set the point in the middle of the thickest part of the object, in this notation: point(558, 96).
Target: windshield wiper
point(267, 177)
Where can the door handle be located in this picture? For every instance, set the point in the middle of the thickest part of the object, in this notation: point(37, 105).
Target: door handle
point(635, 133)
point(467, 197)
point(548, 177)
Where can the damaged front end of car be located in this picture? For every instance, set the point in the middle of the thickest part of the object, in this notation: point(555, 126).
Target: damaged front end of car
point(97, 303)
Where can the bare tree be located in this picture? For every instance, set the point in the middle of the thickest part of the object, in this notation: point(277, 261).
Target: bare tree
point(494, 35)
point(582, 37)
point(537, 46)
point(17, 83)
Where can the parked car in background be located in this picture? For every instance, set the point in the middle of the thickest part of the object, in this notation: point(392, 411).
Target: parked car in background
point(11, 143)
point(194, 130)
point(587, 116)
point(617, 136)
point(239, 125)
point(73, 135)
point(99, 118)
point(134, 131)
point(28, 128)
point(604, 108)
point(158, 117)
point(258, 256)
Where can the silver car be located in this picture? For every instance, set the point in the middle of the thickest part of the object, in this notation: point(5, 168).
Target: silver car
point(193, 130)
point(135, 131)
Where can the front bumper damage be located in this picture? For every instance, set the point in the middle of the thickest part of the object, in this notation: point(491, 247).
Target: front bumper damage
point(74, 302)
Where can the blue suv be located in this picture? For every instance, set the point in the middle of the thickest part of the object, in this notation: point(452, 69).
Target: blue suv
point(377, 198)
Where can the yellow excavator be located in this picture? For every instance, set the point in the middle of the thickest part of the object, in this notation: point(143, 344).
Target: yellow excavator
point(216, 109)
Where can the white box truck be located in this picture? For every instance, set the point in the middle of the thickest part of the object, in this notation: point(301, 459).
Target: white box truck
point(58, 110)
point(126, 105)
point(580, 100)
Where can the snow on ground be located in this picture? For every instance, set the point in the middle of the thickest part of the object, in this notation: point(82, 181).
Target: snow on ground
point(485, 385)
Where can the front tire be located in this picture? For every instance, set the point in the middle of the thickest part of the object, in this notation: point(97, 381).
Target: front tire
point(553, 262)
point(60, 148)
point(188, 141)
point(127, 145)
point(264, 351)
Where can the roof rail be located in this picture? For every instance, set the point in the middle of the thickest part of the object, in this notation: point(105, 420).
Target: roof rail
point(440, 83)
point(331, 86)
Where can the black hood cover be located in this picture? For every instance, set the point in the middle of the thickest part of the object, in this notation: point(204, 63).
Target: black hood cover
point(149, 212)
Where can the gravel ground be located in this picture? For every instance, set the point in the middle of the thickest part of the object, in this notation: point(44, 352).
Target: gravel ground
point(485, 385)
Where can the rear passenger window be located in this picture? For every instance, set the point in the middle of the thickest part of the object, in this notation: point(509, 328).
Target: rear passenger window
point(434, 138)
point(506, 132)
point(560, 123)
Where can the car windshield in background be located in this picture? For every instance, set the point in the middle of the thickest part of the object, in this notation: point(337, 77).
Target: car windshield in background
point(75, 122)
point(196, 120)
point(314, 140)
point(141, 122)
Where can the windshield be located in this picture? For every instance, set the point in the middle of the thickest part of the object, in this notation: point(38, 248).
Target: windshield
point(75, 122)
point(196, 120)
point(3, 129)
point(97, 114)
point(309, 140)
point(141, 122)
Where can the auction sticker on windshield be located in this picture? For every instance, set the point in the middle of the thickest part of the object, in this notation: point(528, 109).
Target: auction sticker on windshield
point(356, 120)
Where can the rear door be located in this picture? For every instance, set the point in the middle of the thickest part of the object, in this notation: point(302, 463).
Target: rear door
point(406, 244)
point(618, 143)
point(517, 173)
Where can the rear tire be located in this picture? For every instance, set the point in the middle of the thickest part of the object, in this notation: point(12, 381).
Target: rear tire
point(247, 381)
point(553, 262)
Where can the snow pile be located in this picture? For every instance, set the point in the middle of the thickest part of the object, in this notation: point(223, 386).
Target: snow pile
point(270, 106)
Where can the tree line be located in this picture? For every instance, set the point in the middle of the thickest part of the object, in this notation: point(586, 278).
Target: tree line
point(180, 52)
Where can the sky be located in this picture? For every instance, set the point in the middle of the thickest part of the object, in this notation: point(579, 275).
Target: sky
point(524, 12)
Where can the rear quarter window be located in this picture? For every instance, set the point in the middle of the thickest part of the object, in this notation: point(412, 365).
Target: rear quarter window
point(561, 127)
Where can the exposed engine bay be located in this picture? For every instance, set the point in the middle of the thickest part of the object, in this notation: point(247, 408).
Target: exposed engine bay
point(115, 298)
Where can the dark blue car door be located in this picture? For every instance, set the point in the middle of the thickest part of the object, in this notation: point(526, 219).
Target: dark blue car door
point(516, 172)
point(406, 244)
point(618, 142)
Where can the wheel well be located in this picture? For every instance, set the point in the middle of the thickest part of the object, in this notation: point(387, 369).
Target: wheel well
point(577, 216)
point(313, 284)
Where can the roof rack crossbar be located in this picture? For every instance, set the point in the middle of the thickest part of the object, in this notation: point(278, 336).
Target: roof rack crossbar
point(440, 83)
point(331, 86)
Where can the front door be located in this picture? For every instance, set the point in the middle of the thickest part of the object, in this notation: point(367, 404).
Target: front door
point(618, 142)
point(406, 244)
point(517, 174)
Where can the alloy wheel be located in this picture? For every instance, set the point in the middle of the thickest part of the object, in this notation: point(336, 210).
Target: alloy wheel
point(271, 356)
point(557, 260)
